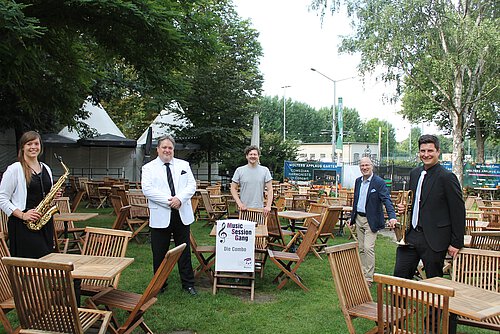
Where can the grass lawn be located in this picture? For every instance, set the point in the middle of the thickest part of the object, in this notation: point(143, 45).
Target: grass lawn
point(289, 311)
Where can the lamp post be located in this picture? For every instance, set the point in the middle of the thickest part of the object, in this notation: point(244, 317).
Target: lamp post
point(284, 110)
point(334, 134)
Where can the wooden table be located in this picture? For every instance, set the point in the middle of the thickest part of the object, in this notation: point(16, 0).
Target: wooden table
point(293, 216)
point(74, 216)
point(92, 267)
point(469, 301)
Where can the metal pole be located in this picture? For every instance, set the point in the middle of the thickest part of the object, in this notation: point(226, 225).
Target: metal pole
point(334, 133)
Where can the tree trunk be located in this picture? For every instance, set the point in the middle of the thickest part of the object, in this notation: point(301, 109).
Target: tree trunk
point(480, 139)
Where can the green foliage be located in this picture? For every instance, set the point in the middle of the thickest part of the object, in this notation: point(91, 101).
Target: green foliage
point(224, 81)
point(442, 55)
point(56, 53)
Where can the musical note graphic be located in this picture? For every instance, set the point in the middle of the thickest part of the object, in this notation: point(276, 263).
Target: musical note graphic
point(222, 234)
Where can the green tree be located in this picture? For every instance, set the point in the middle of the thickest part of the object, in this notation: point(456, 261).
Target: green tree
point(54, 54)
point(388, 135)
point(224, 82)
point(445, 51)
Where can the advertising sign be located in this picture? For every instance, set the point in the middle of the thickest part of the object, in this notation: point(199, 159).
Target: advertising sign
point(324, 173)
point(235, 246)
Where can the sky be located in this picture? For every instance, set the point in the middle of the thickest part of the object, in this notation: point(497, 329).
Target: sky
point(294, 40)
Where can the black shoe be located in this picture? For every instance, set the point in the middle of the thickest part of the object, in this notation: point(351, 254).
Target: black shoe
point(164, 287)
point(191, 290)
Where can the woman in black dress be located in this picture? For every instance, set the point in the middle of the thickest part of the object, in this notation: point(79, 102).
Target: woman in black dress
point(24, 184)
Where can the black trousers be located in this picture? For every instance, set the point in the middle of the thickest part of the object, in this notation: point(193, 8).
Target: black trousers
point(160, 243)
point(408, 257)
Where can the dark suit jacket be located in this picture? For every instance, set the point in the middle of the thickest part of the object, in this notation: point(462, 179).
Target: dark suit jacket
point(442, 209)
point(377, 195)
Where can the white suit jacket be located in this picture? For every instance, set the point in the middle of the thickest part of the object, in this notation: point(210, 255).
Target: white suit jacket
point(155, 188)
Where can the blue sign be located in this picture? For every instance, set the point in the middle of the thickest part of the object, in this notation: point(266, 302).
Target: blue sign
point(313, 171)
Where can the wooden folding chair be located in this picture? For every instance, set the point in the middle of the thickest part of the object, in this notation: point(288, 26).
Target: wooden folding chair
point(95, 197)
point(3, 224)
point(137, 304)
point(6, 296)
point(276, 234)
point(411, 307)
point(257, 215)
point(288, 262)
point(71, 235)
point(350, 284)
point(45, 298)
point(103, 242)
point(329, 221)
point(300, 202)
point(205, 256)
point(488, 240)
point(126, 222)
point(212, 214)
point(479, 268)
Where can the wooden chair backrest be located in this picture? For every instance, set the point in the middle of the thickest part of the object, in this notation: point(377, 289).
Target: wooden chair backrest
point(137, 198)
point(40, 288)
point(123, 194)
point(105, 242)
point(116, 202)
point(207, 204)
point(280, 202)
point(213, 190)
point(156, 283)
point(300, 202)
point(470, 225)
point(488, 240)
point(350, 282)
point(121, 218)
point(194, 203)
point(3, 224)
point(477, 267)
point(273, 224)
point(63, 206)
point(330, 219)
point(308, 240)
point(5, 290)
point(421, 307)
point(256, 215)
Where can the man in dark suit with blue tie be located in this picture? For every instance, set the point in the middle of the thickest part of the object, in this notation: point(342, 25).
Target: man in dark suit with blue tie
point(370, 192)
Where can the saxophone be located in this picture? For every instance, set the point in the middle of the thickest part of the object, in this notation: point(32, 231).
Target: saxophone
point(406, 198)
point(45, 207)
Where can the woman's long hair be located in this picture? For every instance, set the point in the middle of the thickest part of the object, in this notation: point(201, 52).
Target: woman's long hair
point(27, 137)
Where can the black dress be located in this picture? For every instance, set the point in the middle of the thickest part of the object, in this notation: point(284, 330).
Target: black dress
point(24, 242)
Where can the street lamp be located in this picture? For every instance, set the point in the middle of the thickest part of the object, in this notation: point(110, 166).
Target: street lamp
point(334, 134)
point(284, 110)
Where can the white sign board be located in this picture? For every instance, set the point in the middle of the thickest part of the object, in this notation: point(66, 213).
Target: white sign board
point(235, 246)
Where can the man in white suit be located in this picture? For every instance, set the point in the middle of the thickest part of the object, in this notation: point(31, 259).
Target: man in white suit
point(170, 212)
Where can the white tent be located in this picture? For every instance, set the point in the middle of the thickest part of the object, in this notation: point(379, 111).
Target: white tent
point(162, 125)
point(96, 157)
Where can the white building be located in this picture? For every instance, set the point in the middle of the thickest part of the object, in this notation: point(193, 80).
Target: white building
point(351, 152)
